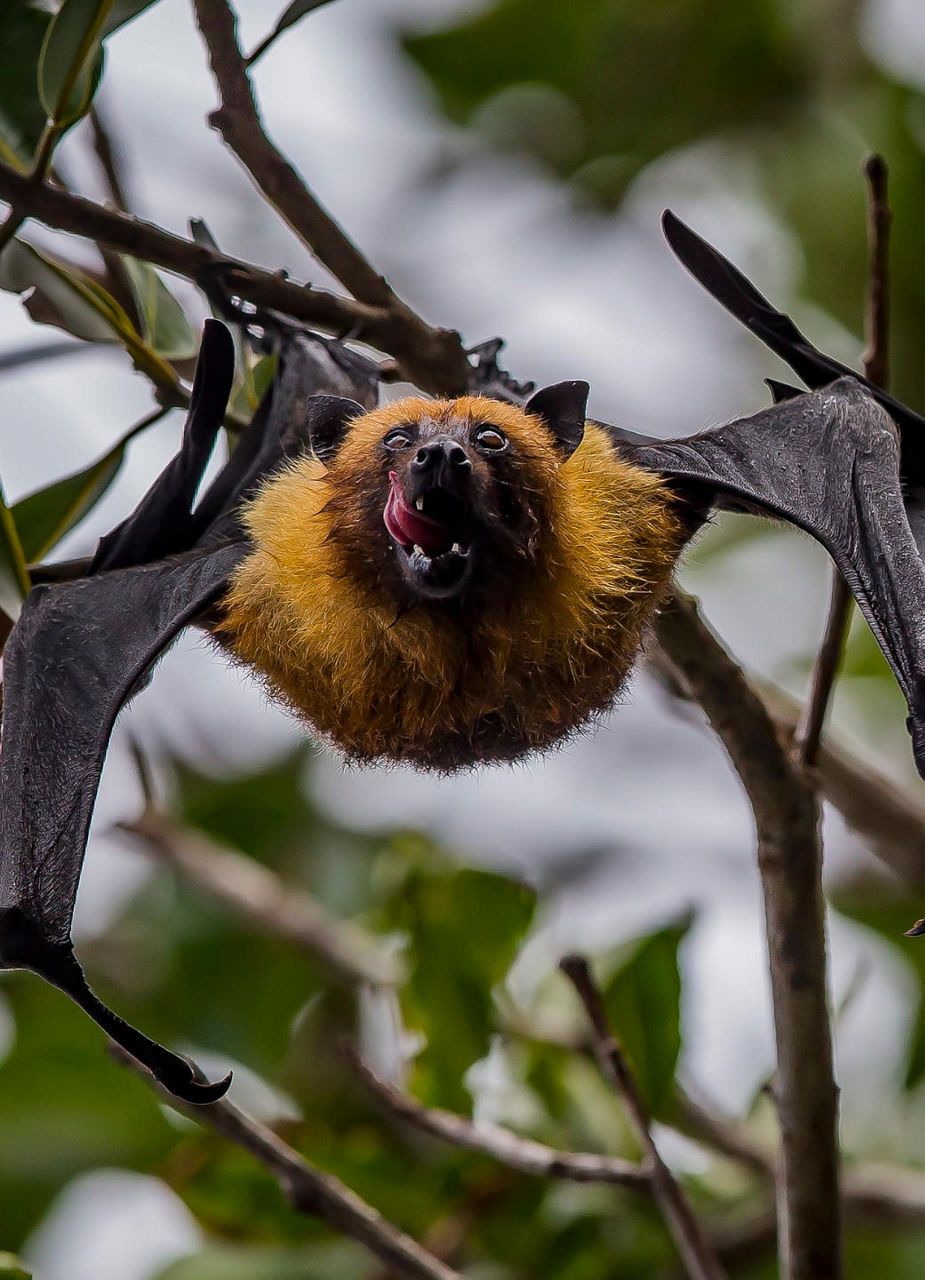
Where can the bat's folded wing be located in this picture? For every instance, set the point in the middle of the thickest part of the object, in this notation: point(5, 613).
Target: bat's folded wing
point(76, 655)
point(828, 462)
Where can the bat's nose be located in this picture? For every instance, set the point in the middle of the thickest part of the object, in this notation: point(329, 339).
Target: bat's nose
point(444, 461)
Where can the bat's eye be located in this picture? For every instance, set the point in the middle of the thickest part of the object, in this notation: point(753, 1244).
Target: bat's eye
point(400, 438)
point(489, 438)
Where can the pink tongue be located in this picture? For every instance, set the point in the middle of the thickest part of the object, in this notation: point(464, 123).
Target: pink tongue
point(412, 528)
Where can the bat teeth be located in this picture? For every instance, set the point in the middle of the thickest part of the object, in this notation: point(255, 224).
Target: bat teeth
point(418, 551)
point(420, 504)
point(457, 548)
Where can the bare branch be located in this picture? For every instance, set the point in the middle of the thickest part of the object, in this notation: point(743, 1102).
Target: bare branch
point(64, 211)
point(790, 862)
point(239, 123)
point(261, 899)
point(413, 341)
point(307, 1189)
point(697, 1255)
point(876, 360)
point(108, 158)
point(510, 1149)
point(702, 1124)
point(808, 732)
point(888, 816)
point(872, 1193)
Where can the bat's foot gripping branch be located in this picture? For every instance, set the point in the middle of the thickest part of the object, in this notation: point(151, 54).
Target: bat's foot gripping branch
point(23, 946)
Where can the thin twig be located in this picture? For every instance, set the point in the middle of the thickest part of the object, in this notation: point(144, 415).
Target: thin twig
point(109, 160)
point(790, 862)
point(696, 1254)
point(64, 211)
point(19, 209)
point(808, 732)
point(284, 24)
point(238, 121)
point(307, 1189)
point(326, 311)
point(510, 1149)
point(876, 360)
point(872, 1193)
point(703, 1124)
point(260, 898)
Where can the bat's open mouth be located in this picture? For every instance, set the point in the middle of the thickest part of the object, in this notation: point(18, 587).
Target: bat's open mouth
point(432, 531)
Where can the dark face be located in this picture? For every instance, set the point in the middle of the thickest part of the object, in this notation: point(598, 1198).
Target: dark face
point(443, 500)
point(452, 504)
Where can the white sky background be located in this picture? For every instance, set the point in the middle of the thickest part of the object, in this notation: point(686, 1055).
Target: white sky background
point(497, 250)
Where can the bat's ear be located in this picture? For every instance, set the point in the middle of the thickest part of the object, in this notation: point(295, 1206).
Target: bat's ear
point(562, 409)
point(329, 417)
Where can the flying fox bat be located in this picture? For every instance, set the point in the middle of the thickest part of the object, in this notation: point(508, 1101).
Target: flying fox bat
point(445, 582)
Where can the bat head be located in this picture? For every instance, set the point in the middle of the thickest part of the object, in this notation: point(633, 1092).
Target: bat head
point(441, 499)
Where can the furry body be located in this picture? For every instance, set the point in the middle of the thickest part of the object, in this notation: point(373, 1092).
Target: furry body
point(581, 554)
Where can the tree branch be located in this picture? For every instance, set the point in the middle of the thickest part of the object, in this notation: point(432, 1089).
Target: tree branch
point(327, 311)
point(696, 1254)
point(890, 818)
point(307, 1189)
point(510, 1149)
point(238, 121)
point(260, 898)
point(65, 211)
point(790, 862)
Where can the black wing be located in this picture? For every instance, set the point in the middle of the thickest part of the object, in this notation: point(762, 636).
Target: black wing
point(828, 462)
point(162, 523)
point(740, 297)
point(76, 655)
point(82, 648)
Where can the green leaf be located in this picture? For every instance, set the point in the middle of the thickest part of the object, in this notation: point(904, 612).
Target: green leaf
point(164, 324)
point(70, 62)
point(256, 378)
point(334, 1260)
point(12, 1269)
point(76, 302)
point(22, 117)
point(65, 1107)
point(43, 518)
point(464, 928)
point(288, 18)
point(52, 299)
point(14, 578)
point(124, 11)
point(890, 917)
point(643, 1003)
point(582, 87)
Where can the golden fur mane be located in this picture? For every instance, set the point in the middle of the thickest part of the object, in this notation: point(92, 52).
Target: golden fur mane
point(447, 687)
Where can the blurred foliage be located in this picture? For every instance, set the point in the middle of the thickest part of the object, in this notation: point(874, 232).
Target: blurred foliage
point(595, 93)
point(191, 975)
